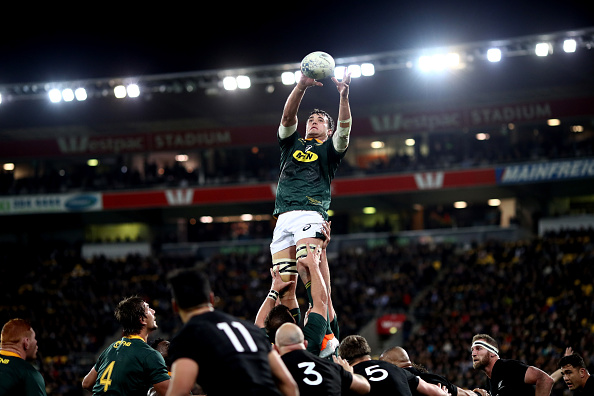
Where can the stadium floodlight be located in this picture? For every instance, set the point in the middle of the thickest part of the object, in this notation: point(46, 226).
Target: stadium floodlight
point(493, 54)
point(67, 95)
point(355, 71)
point(80, 94)
point(542, 49)
point(243, 82)
point(288, 78)
point(119, 91)
point(55, 95)
point(569, 45)
point(409, 142)
point(452, 60)
point(230, 83)
point(133, 90)
point(439, 61)
point(339, 71)
point(367, 69)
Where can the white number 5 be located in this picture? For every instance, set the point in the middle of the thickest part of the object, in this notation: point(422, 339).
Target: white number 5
point(375, 369)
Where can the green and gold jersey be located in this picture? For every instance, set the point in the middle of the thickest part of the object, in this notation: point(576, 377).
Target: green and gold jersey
point(129, 367)
point(307, 168)
point(18, 377)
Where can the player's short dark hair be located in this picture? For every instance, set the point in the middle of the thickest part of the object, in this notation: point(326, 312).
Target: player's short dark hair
point(324, 113)
point(574, 359)
point(189, 287)
point(278, 316)
point(130, 312)
point(353, 347)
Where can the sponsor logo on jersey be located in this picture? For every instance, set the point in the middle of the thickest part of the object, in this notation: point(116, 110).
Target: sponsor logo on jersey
point(305, 157)
point(120, 342)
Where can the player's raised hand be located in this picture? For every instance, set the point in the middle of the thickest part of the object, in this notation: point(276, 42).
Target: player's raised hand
point(306, 82)
point(343, 85)
point(278, 284)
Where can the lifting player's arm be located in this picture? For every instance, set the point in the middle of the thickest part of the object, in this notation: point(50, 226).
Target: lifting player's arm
point(291, 108)
point(279, 289)
point(340, 138)
point(309, 271)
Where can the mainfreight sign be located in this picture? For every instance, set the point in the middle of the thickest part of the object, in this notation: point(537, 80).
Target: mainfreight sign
point(546, 171)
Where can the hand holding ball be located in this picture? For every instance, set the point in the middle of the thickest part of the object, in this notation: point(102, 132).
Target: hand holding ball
point(318, 65)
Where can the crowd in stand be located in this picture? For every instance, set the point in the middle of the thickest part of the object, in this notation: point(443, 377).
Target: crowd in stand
point(534, 296)
point(247, 164)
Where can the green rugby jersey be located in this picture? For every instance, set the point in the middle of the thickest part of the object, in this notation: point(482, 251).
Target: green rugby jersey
point(129, 367)
point(307, 168)
point(18, 377)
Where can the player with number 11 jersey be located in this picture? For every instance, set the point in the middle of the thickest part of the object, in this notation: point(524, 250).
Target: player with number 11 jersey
point(232, 355)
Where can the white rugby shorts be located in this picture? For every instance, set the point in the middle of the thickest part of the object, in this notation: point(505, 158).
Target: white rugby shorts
point(293, 226)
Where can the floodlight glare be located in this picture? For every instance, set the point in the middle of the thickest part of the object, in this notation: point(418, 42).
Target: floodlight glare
point(339, 71)
point(133, 90)
point(494, 55)
point(230, 83)
point(68, 95)
point(367, 69)
point(452, 59)
point(542, 49)
point(288, 78)
point(355, 71)
point(119, 91)
point(243, 82)
point(569, 45)
point(80, 94)
point(55, 95)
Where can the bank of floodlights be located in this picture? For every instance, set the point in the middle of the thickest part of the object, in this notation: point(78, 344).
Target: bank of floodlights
point(215, 81)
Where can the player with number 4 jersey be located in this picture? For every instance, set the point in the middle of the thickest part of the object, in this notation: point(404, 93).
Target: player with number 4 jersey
point(130, 366)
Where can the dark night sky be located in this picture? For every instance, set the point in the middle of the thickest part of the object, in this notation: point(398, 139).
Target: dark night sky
point(118, 41)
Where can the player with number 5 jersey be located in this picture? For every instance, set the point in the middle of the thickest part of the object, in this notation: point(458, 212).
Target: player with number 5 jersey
point(223, 354)
point(130, 366)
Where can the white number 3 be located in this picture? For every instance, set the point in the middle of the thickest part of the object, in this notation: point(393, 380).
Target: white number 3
point(309, 370)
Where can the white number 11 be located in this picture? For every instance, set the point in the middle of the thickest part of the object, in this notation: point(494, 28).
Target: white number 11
point(233, 338)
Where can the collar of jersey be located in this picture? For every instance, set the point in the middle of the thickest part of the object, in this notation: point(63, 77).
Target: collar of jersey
point(8, 353)
point(316, 139)
point(135, 337)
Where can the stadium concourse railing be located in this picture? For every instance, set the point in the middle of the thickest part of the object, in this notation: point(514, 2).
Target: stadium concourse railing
point(466, 235)
point(205, 250)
